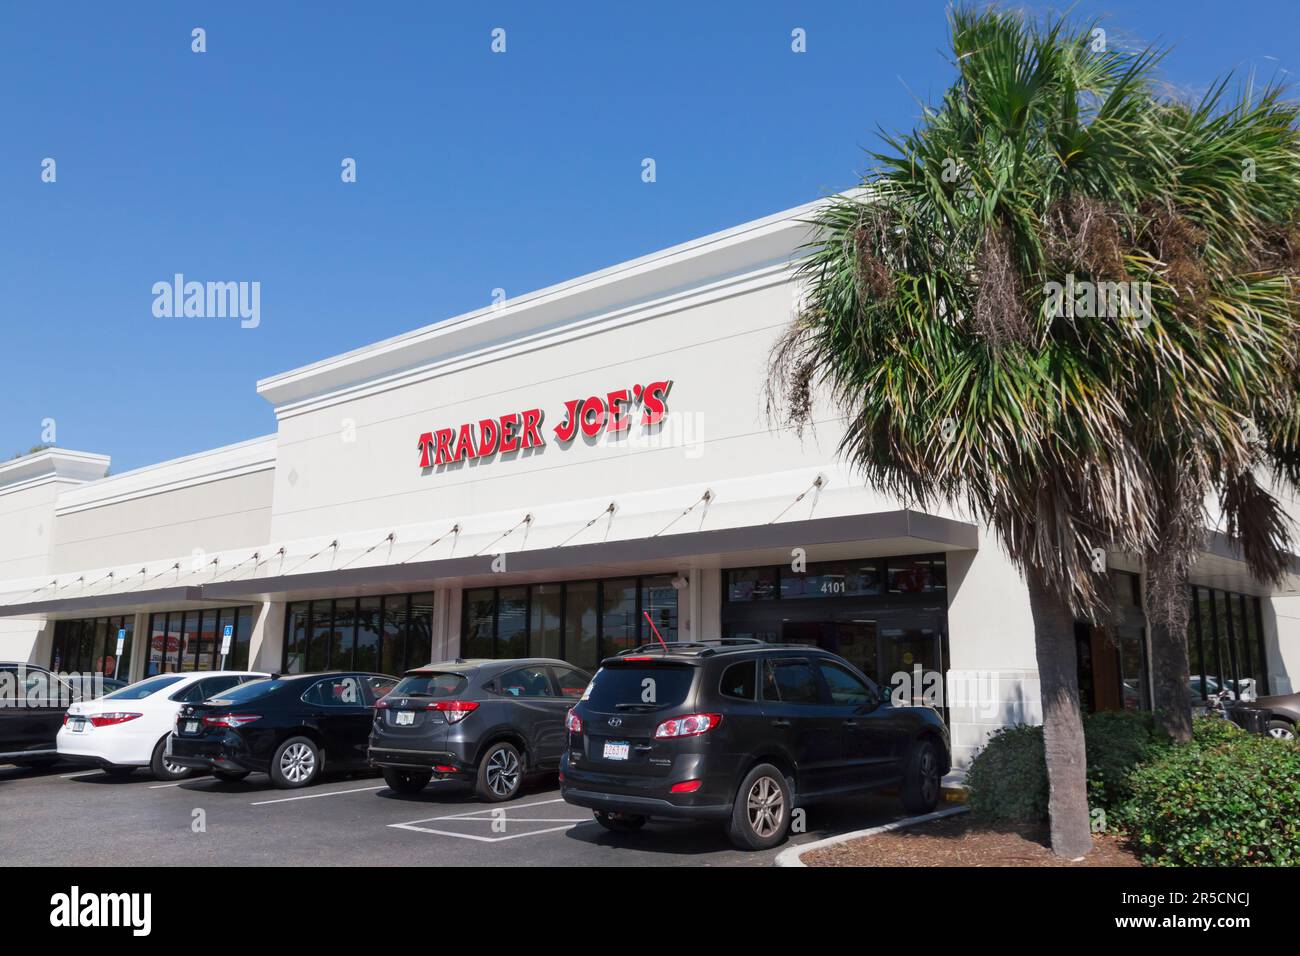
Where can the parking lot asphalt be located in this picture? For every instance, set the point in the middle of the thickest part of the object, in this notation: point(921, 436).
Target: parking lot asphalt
point(64, 817)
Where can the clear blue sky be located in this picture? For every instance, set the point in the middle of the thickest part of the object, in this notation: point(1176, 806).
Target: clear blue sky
point(475, 170)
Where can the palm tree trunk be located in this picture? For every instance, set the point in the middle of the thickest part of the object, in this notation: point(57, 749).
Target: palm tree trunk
point(1067, 762)
point(1167, 611)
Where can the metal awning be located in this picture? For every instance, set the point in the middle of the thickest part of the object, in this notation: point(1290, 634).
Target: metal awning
point(108, 605)
point(823, 539)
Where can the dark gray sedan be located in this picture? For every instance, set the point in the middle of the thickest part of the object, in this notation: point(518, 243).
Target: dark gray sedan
point(489, 722)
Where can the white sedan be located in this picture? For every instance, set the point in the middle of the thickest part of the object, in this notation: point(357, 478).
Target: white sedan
point(128, 728)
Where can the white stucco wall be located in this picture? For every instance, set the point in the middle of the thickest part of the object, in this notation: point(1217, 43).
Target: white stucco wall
point(30, 487)
point(201, 504)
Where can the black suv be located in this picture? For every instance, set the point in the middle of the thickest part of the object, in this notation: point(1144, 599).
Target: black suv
point(487, 721)
point(740, 731)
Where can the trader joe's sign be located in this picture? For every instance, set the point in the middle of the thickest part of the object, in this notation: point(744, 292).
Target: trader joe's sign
point(613, 413)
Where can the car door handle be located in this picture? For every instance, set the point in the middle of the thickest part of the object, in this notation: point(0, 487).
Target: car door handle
point(850, 723)
point(780, 723)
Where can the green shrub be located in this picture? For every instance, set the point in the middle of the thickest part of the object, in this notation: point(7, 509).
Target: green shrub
point(1227, 798)
point(1007, 780)
point(1117, 741)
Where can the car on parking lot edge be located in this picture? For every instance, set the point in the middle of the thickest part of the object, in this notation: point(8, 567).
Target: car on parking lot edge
point(742, 732)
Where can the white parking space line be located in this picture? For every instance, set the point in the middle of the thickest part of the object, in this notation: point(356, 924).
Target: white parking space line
point(473, 813)
point(497, 814)
point(480, 839)
point(313, 796)
point(164, 786)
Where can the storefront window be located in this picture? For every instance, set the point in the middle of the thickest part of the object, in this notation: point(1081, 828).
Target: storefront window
point(476, 636)
point(545, 625)
point(752, 584)
point(577, 621)
point(512, 622)
point(295, 646)
point(368, 631)
point(834, 579)
point(619, 619)
point(581, 624)
point(659, 600)
point(419, 649)
point(172, 650)
point(1224, 645)
point(187, 659)
point(916, 575)
point(392, 659)
point(344, 634)
point(321, 627)
point(100, 648)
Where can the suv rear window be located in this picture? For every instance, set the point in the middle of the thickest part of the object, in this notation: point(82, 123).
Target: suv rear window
point(430, 685)
point(631, 687)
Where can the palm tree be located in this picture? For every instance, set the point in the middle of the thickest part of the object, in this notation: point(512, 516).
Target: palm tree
point(940, 317)
point(1220, 244)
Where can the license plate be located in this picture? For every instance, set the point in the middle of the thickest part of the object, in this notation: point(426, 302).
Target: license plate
point(404, 718)
point(191, 726)
point(616, 750)
point(77, 725)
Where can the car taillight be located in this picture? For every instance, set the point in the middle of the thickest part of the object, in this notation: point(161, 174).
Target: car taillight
point(381, 705)
point(229, 720)
point(692, 725)
point(107, 720)
point(454, 710)
point(573, 723)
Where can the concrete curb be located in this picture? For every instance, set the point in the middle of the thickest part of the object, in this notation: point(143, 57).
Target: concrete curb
point(792, 856)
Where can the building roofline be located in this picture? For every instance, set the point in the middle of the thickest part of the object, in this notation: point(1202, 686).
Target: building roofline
point(254, 454)
point(735, 251)
point(63, 464)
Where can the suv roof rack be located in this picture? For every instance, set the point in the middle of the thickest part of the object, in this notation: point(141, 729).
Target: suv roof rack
point(704, 647)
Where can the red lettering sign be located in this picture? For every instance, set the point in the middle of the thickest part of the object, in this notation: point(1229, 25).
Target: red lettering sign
point(516, 431)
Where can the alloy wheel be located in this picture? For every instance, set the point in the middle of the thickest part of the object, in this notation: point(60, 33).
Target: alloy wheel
point(503, 772)
point(929, 775)
point(297, 763)
point(1281, 733)
point(765, 806)
point(174, 769)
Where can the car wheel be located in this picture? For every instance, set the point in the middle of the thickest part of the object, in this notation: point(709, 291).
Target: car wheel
point(119, 773)
point(921, 780)
point(1281, 729)
point(406, 781)
point(296, 763)
point(618, 822)
point(230, 776)
point(500, 773)
point(164, 769)
point(760, 815)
